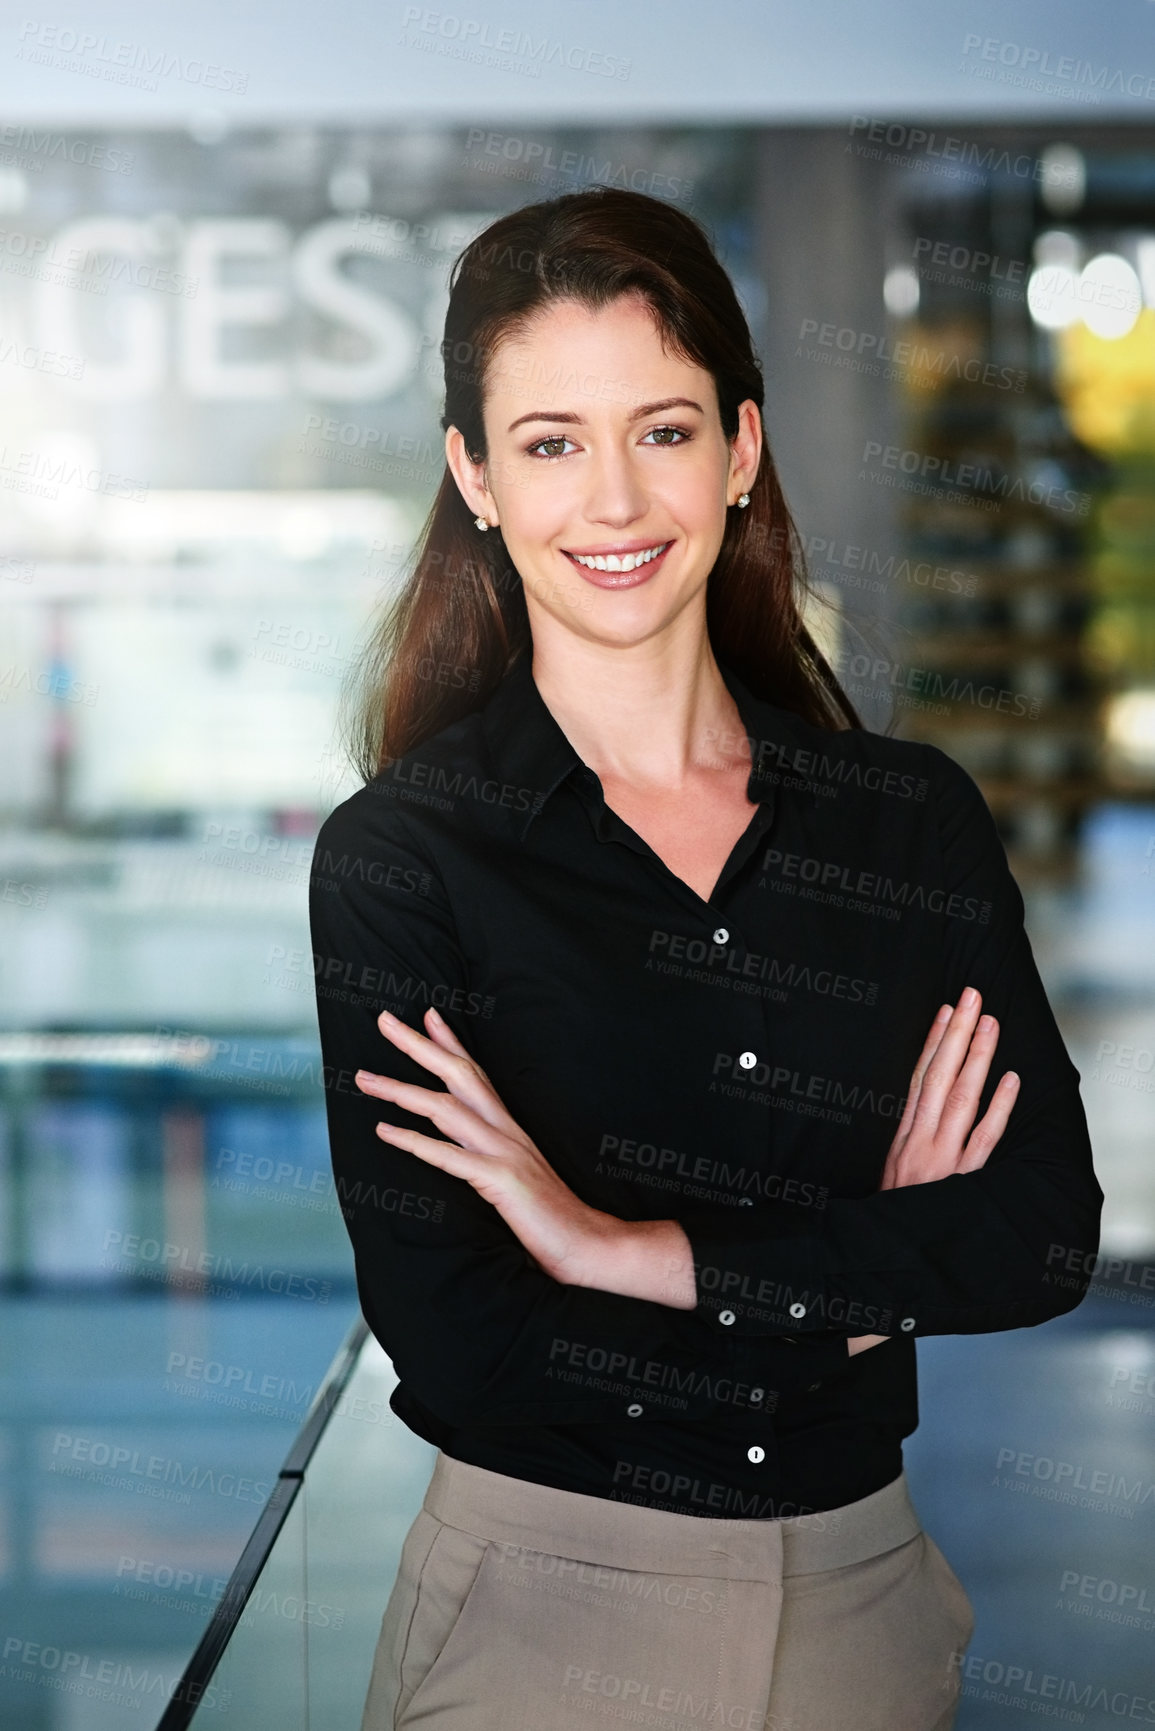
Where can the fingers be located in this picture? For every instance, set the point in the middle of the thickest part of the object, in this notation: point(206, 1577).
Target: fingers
point(419, 1046)
point(991, 1125)
point(455, 1117)
point(458, 1162)
point(943, 1070)
point(442, 1033)
point(961, 1102)
point(930, 1047)
point(449, 1060)
point(889, 1179)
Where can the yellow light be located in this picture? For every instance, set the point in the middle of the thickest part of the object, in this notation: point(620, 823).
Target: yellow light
point(1131, 729)
point(1107, 385)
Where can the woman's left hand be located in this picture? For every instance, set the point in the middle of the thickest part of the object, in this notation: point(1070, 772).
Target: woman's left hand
point(490, 1151)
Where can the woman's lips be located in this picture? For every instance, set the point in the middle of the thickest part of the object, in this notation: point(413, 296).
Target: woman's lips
point(620, 579)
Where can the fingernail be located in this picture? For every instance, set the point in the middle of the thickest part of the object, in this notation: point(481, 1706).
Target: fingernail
point(969, 997)
point(436, 1014)
point(1012, 1079)
point(986, 1023)
point(385, 1016)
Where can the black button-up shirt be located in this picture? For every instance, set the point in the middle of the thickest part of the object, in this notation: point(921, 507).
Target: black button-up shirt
point(738, 1064)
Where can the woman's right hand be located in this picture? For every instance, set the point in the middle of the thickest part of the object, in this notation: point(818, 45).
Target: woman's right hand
point(935, 1137)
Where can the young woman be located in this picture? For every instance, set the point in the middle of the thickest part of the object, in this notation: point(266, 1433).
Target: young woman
point(658, 1000)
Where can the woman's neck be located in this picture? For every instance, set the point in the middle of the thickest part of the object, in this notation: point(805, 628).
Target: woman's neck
point(647, 714)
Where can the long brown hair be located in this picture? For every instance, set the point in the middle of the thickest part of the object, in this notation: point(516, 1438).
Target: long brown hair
point(462, 608)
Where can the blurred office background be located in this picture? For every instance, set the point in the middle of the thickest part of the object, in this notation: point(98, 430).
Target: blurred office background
point(224, 247)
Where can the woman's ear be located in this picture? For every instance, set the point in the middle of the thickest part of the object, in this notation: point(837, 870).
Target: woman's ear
point(745, 448)
point(470, 477)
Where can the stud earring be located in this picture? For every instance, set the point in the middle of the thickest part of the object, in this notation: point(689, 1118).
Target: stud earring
point(743, 501)
point(481, 523)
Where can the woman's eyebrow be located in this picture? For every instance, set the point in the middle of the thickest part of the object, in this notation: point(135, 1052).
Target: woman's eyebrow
point(571, 419)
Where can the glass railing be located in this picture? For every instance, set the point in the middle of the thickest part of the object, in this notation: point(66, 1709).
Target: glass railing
point(291, 1641)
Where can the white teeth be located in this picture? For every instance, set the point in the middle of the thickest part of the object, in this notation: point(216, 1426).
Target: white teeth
point(612, 561)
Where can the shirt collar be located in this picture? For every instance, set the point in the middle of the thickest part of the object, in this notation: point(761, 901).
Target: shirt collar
point(528, 749)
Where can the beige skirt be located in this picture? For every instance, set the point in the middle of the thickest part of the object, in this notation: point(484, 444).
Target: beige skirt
point(518, 1607)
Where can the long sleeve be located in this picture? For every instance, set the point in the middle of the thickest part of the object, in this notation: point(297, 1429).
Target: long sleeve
point(976, 1252)
point(478, 1332)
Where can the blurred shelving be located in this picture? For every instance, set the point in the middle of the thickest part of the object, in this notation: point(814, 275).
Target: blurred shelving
point(1021, 671)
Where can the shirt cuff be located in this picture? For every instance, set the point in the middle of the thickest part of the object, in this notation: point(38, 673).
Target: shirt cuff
point(756, 1283)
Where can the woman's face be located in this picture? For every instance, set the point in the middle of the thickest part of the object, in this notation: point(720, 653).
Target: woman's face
point(601, 445)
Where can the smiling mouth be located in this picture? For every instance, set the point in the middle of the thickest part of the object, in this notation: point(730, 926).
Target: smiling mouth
point(620, 561)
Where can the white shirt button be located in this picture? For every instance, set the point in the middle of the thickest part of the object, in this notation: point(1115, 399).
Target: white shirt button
point(756, 1454)
point(726, 1316)
point(721, 936)
point(907, 1323)
point(800, 1310)
point(756, 1394)
point(634, 1409)
point(747, 1060)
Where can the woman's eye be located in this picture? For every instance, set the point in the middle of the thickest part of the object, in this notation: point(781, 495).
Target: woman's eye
point(681, 432)
point(554, 439)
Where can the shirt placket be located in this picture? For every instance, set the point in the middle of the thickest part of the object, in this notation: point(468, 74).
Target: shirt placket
point(718, 924)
